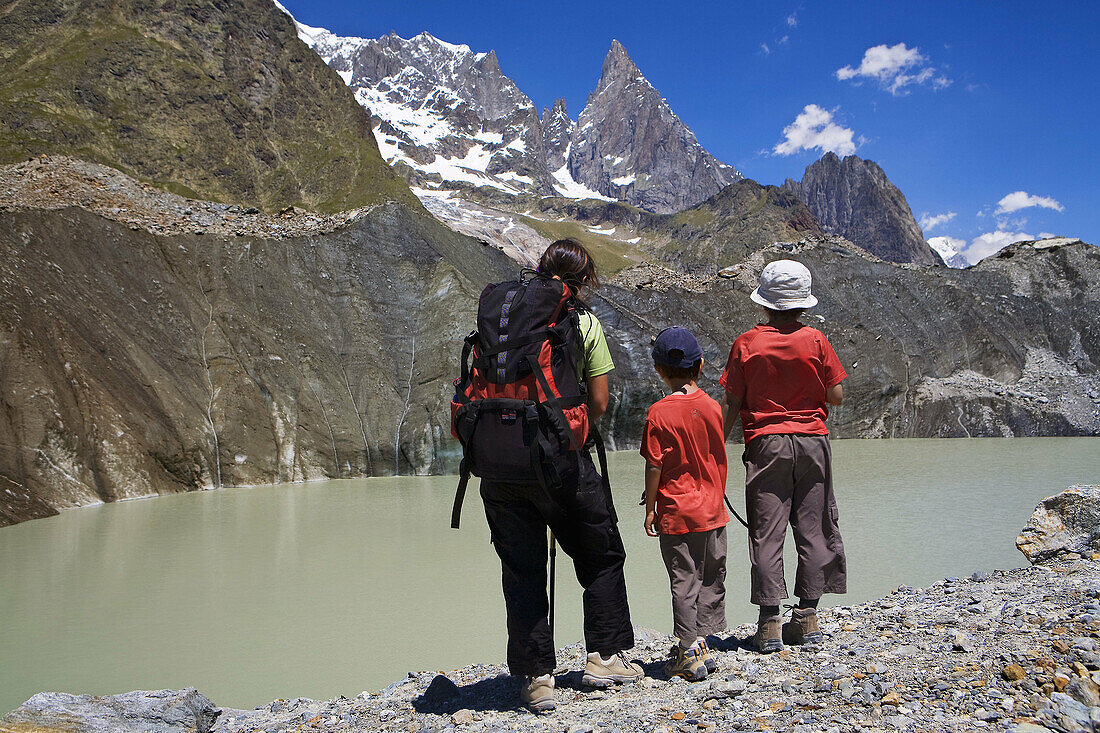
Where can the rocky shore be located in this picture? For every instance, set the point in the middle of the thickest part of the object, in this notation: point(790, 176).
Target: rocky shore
point(1012, 650)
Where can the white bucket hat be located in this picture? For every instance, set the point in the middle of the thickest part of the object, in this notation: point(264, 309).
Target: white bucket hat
point(784, 284)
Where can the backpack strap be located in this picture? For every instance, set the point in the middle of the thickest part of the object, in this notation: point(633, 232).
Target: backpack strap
point(460, 493)
point(553, 403)
point(601, 453)
point(471, 411)
point(464, 379)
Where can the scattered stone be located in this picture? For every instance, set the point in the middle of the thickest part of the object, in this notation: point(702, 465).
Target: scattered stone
point(462, 717)
point(1013, 673)
point(960, 642)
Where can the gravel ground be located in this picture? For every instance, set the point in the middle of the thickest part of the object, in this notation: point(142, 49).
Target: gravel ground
point(1015, 650)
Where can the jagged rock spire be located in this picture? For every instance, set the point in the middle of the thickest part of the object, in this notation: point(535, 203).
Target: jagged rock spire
point(557, 130)
point(628, 144)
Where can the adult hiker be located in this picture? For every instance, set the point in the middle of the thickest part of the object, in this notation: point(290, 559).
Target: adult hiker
point(538, 380)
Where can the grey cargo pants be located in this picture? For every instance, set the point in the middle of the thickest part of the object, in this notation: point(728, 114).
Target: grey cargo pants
point(696, 564)
point(788, 480)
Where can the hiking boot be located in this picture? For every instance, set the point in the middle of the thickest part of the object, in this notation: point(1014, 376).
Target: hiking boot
point(802, 628)
point(686, 663)
point(537, 693)
point(599, 672)
point(710, 661)
point(768, 637)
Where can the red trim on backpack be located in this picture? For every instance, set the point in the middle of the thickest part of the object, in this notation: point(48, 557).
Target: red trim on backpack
point(544, 364)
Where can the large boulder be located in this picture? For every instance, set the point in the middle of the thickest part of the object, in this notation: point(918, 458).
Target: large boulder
point(144, 711)
point(1064, 525)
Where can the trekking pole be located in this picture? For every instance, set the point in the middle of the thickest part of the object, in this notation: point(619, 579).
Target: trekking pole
point(729, 504)
point(553, 556)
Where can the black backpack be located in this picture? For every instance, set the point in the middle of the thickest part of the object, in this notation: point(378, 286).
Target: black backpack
point(520, 408)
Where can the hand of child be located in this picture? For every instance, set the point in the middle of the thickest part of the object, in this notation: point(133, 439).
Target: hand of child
point(650, 523)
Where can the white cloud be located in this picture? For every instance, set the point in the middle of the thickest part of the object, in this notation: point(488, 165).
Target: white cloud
point(783, 40)
point(765, 49)
point(1023, 200)
point(814, 128)
point(894, 68)
point(986, 244)
point(792, 20)
point(929, 221)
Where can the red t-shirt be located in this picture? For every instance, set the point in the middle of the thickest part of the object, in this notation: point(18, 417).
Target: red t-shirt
point(683, 437)
point(781, 375)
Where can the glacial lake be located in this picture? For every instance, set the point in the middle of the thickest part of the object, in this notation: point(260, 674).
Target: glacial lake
point(337, 587)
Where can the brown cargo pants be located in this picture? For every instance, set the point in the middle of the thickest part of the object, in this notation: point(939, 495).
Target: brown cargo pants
point(788, 480)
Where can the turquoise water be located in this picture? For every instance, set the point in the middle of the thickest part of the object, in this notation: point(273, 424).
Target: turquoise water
point(336, 587)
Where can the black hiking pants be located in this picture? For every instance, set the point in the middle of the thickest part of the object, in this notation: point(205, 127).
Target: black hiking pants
point(584, 524)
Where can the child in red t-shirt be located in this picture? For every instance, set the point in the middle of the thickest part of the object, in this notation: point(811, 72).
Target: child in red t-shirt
point(780, 378)
point(685, 480)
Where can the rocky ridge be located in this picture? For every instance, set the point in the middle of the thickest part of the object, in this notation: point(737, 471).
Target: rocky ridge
point(58, 182)
point(854, 198)
point(1013, 650)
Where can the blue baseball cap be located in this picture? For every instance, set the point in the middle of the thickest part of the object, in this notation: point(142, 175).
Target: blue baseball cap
point(676, 347)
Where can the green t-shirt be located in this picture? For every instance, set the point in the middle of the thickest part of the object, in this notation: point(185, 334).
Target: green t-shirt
point(597, 357)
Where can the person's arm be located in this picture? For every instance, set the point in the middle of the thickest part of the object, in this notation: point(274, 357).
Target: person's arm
point(598, 396)
point(652, 479)
point(833, 373)
point(731, 410)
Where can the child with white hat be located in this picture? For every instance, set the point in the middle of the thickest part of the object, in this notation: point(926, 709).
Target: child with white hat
point(780, 379)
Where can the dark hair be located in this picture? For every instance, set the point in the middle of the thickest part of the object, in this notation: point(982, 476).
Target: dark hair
point(570, 261)
point(675, 372)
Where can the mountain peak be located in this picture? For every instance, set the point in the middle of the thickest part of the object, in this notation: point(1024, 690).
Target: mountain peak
point(489, 62)
point(628, 144)
point(618, 64)
point(853, 197)
point(557, 133)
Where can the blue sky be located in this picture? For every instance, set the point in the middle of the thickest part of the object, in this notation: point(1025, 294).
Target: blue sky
point(988, 111)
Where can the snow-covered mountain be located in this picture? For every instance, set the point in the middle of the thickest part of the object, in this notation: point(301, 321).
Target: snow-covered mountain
point(444, 116)
point(448, 118)
point(948, 250)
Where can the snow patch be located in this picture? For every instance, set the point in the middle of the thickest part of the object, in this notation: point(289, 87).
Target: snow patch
point(569, 188)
